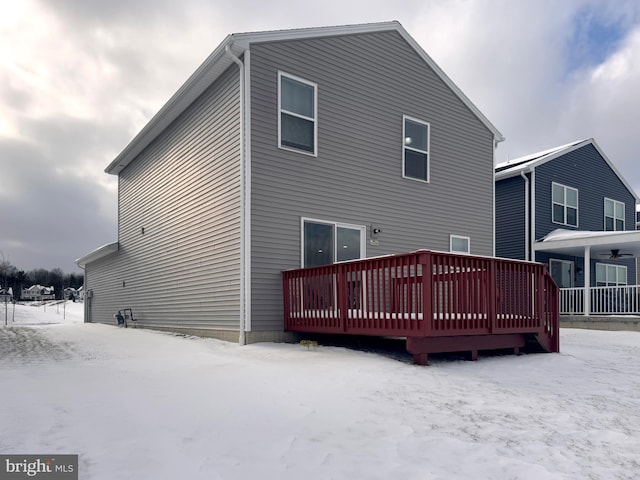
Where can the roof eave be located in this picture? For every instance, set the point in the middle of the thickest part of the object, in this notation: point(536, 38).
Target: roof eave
point(97, 254)
point(195, 85)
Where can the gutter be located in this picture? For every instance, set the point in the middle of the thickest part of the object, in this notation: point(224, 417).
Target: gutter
point(244, 251)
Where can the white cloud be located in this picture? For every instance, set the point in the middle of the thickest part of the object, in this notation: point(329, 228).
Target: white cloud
point(79, 79)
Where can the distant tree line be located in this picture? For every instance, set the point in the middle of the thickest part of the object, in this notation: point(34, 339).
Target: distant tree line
point(11, 277)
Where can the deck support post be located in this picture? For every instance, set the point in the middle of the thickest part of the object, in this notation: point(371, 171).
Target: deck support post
point(421, 359)
point(421, 347)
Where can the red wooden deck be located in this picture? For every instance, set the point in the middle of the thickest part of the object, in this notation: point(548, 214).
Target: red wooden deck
point(441, 302)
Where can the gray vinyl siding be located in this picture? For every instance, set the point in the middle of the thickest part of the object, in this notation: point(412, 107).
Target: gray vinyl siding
point(184, 190)
point(587, 171)
point(510, 218)
point(366, 83)
point(100, 277)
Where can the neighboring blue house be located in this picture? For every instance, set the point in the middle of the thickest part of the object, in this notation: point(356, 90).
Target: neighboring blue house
point(569, 207)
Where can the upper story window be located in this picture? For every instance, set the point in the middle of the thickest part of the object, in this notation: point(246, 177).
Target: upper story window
point(610, 275)
point(564, 204)
point(459, 244)
point(613, 215)
point(415, 149)
point(297, 114)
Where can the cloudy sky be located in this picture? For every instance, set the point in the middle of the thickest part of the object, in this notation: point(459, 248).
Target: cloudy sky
point(79, 78)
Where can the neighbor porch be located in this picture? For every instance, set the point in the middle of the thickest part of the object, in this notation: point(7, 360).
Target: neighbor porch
point(596, 271)
point(440, 302)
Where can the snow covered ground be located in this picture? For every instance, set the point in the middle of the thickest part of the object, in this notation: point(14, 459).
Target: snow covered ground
point(138, 404)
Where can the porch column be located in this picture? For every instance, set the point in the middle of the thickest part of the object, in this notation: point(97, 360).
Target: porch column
point(587, 280)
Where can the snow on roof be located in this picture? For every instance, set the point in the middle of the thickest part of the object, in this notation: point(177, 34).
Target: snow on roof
point(562, 234)
point(514, 167)
point(538, 157)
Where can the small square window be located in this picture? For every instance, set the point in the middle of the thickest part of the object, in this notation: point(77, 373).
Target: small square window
point(459, 244)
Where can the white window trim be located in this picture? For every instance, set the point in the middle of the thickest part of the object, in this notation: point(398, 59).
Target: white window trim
point(565, 187)
point(427, 152)
point(624, 213)
point(314, 119)
point(363, 234)
point(606, 269)
point(459, 237)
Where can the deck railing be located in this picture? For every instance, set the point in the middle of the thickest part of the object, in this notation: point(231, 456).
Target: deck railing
point(620, 300)
point(422, 294)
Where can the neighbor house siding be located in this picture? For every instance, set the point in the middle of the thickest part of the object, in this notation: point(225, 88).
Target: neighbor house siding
point(587, 171)
point(510, 218)
point(366, 83)
point(183, 270)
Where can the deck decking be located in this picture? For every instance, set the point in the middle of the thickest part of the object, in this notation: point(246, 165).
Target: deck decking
point(441, 302)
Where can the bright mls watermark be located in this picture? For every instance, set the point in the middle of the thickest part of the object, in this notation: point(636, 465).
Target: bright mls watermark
point(50, 467)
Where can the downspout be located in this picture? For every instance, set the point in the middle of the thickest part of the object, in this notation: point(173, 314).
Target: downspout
point(243, 300)
point(526, 216)
point(532, 216)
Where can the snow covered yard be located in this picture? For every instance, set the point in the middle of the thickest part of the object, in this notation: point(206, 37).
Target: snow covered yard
point(138, 404)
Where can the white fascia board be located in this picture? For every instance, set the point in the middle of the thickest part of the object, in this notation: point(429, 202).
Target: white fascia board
point(97, 254)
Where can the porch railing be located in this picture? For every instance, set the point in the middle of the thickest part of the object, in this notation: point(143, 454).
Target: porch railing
point(620, 300)
point(422, 294)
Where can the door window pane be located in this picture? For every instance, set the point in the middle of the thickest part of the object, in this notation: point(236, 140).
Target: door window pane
point(348, 244)
point(318, 244)
point(326, 243)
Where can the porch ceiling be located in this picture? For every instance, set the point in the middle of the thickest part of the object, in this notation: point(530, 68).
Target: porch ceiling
point(574, 243)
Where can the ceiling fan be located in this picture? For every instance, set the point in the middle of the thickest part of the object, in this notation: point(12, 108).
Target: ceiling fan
point(615, 254)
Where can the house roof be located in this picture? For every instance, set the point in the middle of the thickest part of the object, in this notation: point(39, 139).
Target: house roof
point(573, 242)
point(528, 163)
point(98, 253)
point(219, 60)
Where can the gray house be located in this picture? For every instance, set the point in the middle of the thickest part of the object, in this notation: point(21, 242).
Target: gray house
point(289, 149)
